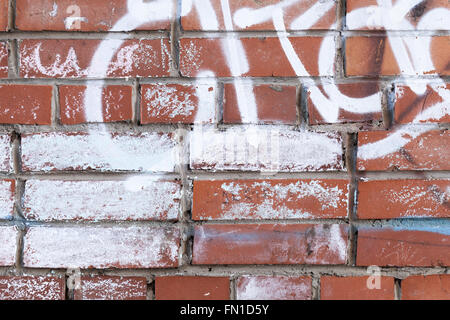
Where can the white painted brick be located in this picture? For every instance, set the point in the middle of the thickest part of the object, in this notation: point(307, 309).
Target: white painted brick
point(8, 237)
point(268, 148)
point(85, 200)
point(101, 247)
point(6, 199)
point(5, 152)
point(32, 288)
point(101, 151)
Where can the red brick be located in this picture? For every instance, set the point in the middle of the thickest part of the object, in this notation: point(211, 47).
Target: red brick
point(273, 288)
point(269, 199)
point(265, 56)
point(73, 58)
point(111, 288)
point(368, 16)
point(26, 104)
point(50, 200)
point(292, 14)
point(403, 198)
point(275, 104)
point(101, 247)
point(97, 15)
point(402, 247)
point(177, 103)
point(415, 148)
point(5, 153)
point(146, 151)
point(7, 188)
point(32, 288)
point(4, 12)
point(116, 104)
point(433, 287)
point(270, 244)
point(8, 239)
point(351, 93)
point(355, 288)
point(192, 288)
point(265, 148)
point(373, 56)
point(431, 106)
point(3, 60)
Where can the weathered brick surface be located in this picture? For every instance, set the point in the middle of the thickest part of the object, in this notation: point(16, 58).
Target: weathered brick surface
point(177, 103)
point(369, 14)
point(192, 288)
point(8, 238)
point(4, 60)
point(25, 104)
point(270, 244)
point(6, 198)
point(5, 152)
point(275, 103)
point(273, 288)
point(356, 288)
point(101, 247)
point(152, 200)
point(254, 15)
point(269, 199)
point(72, 58)
point(111, 288)
point(416, 148)
point(92, 15)
point(432, 106)
point(4, 11)
point(373, 56)
point(224, 149)
point(349, 107)
point(75, 109)
point(265, 149)
point(403, 199)
point(265, 57)
point(433, 287)
point(82, 151)
point(32, 288)
point(403, 246)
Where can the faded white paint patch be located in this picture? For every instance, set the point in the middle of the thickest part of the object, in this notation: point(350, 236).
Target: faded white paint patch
point(31, 288)
point(100, 247)
point(113, 288)
point(84, 200)
point(6, 199)
point(272, 288)
point(256, 148)
point(8, 239)
point(135, 152)
point(5, 152)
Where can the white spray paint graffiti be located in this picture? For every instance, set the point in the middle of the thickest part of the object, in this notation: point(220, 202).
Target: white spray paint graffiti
point(385, 15)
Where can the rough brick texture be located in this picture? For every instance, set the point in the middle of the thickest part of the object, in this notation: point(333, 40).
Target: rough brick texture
point(192, 288)
point(100, 247)
point(26, 104)
point(116, 104)
point(111, 288)
point(224, 149)
point(269, 199)
point(356, 288)
point(32, 288)
point(273, 288)
point(4, 60)
point(270, 244)
point(434, 287)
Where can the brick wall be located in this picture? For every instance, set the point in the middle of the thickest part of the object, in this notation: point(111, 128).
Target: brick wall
point(221, 149)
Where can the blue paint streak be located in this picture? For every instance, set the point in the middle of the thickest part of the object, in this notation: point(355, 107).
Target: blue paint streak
point(441, 226)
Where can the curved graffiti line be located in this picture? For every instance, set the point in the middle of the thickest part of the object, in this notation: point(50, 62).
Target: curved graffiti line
point(385, 15)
